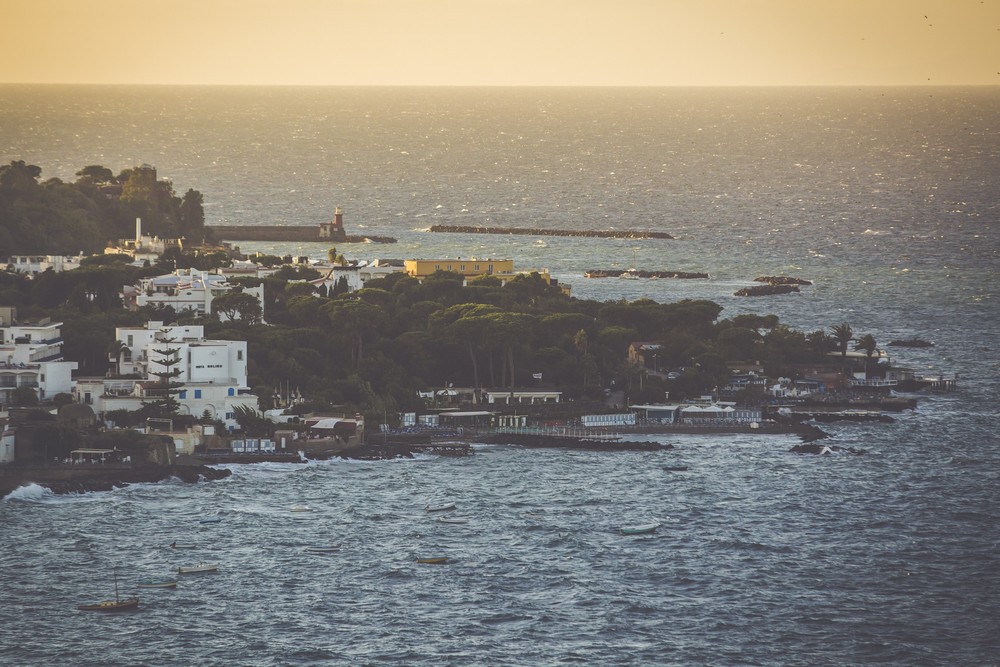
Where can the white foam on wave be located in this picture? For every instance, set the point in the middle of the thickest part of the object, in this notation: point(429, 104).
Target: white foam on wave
point(30, 493)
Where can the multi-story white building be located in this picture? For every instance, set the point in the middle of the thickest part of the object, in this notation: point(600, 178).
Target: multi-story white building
point(31, 356)
point(185, 289)
point(210, 376)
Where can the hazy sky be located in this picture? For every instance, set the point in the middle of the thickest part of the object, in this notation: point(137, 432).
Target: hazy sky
point(502, 42)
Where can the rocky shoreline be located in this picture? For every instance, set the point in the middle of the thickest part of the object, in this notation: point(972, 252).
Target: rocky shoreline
point(606, 234)
point(79, 479)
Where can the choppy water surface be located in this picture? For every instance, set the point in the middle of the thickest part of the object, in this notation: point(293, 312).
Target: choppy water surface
point(763, 557)
point(886, 199)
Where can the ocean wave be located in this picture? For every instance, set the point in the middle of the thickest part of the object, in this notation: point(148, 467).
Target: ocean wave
point(29, 493)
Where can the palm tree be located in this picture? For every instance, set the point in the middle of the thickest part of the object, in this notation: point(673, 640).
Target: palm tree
point(868, 344)
point(842, 333)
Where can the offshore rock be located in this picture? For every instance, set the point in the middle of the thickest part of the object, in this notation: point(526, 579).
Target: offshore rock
point(782, 280)
point(823, 450)
point(766, 290)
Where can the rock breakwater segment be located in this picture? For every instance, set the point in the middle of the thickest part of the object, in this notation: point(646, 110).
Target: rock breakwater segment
point(640, 273)
point(530, 231)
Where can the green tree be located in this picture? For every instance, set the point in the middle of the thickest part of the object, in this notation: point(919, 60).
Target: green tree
point(842, 334)
point(23, 397)
point(238, 305)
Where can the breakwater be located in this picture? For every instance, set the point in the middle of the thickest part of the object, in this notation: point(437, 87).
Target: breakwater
point(641, 273)
point(531, 231)
point(572, 442)
point(302, 233)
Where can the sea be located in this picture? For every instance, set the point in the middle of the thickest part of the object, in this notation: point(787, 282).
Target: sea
point(885, 198)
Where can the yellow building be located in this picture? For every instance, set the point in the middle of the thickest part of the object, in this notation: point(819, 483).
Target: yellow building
point(502, 269)
point(470, 268)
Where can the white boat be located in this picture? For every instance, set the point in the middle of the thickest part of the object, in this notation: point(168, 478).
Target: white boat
point(199, 568)
point(440, 507)
point(641, 529)
point(452, 519)
point(323, 549)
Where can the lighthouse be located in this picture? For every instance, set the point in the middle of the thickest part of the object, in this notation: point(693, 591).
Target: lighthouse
point(333, 230)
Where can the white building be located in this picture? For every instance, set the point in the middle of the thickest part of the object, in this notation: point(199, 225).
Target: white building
point(354, 274)
point(185, 289)
point(143, 247)
point(31, 356)
point(32, 265)
point(211, 375)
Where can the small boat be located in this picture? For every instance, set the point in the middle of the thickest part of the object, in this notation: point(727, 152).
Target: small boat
point(170, 583)
point(174, 545)
point(452, 519)
point(440, 508)
point(118, 604)
point(438, 560)
point(323, 549)
point(301, 508)
point(675, 468)
point(199, 568)
point(210, 519)
point(641, 529)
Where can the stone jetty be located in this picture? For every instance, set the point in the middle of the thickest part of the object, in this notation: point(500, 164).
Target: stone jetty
point(534, 231)
point(571, 442)
point(288, 233)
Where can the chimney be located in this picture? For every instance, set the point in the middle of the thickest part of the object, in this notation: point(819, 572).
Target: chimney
point(138, 232)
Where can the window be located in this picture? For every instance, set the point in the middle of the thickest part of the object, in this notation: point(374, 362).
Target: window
point(239, 355)
point(87, 398)
point(232, 392)
point(197, 393)
point(183, 394)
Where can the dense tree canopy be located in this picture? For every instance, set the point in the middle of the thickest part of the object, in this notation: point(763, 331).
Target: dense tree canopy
point(57, 218)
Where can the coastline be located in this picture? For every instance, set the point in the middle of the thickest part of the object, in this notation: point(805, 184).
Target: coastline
point(62, 479)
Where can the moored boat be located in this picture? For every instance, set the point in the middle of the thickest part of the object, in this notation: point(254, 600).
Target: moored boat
point(640, 529)
point(323, 549)
point(452, 519)
point(436, 560)
point(169, 583)
point(210, 519)
point(118, 604)
point(199, 568)
point(440, 507)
